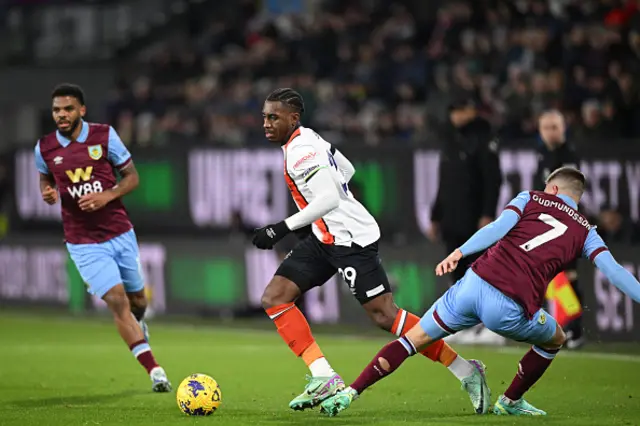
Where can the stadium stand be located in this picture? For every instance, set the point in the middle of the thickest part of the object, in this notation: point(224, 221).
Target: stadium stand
point(385, 74)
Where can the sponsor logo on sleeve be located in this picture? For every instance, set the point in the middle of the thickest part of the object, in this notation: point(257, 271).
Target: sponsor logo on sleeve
point(310, 171)
point(306, 157)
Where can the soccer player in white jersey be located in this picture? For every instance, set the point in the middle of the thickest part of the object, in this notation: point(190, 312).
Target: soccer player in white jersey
point(344, 239)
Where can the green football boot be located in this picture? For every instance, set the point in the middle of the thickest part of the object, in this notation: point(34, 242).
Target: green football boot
point(339, 402)
point(504, 407)
point(317, 390)
point(477, 388)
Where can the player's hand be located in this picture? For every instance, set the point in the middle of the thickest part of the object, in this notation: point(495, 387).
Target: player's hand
point(484, 221)
point(94, 201)
point(433, 233)
point(50, 195)
point(449, 264)
point(266, 237)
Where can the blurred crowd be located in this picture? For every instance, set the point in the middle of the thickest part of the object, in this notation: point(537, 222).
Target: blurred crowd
point(382, 71)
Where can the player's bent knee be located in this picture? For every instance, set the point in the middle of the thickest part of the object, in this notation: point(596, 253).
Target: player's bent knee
point(419, 337)
point(138, 299)
point(117, 301)
point(138, 303)
point(382, 311)
point(382, 319)
point(279, 291)
point(557, 341)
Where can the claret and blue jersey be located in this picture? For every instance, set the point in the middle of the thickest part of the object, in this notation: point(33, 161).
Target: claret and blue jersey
point(534, 239)
point(102, 243)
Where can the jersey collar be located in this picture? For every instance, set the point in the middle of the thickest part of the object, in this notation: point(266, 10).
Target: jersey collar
point(570, 201)
point(82, 137)
point(294, 135)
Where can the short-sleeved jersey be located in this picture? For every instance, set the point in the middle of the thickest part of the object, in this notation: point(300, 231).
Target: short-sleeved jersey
point(549, 235)
point(304, 155)
point(82, 167)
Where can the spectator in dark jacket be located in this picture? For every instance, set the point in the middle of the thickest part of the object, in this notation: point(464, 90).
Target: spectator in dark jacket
point(469, 177)
point(468, 191)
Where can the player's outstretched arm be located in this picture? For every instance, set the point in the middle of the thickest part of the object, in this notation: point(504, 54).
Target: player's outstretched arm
point(483, 238)
point(490, 234)
point(618, 276)
point(597, 251)
point(487, 235)
point(493, 232)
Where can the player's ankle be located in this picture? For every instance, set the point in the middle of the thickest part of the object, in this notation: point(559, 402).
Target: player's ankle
point(321, 368)
point(156, 369)
point(510, 401)
point(354, 393)
point(461, 368)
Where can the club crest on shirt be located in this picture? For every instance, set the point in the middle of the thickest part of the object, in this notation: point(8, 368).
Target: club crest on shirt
point(542, 318)
point(95, 152)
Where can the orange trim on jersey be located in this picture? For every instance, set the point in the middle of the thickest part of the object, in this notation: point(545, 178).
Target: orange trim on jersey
point(301, 202)
point(327, 237)
point(294, 135)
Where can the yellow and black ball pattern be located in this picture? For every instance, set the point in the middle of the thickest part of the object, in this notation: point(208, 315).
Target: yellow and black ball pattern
point(199, 395)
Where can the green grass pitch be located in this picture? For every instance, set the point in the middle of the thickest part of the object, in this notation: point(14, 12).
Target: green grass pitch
point(76, 371)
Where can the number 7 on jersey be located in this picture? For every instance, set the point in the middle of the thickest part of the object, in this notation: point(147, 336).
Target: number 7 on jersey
point(557, 229)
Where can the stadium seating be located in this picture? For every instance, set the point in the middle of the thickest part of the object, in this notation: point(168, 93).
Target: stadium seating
point(387, 72)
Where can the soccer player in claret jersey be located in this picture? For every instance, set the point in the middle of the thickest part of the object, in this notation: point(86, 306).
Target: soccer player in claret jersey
point(537, 236)
point(344, 239)
point(76, 166)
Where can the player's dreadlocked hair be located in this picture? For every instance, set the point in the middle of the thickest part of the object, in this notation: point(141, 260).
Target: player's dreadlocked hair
point(67, 89)
point(289, 97)
point(572, 179)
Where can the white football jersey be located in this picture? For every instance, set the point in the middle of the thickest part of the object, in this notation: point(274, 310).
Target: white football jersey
point(305, 154)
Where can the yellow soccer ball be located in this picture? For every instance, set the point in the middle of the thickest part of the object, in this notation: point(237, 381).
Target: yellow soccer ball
point(199, 395)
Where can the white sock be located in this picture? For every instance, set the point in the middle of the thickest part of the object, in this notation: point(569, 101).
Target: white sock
point(351, 390)
point(321, 368)
point(509, 401)
point(157, 369)
point(461, 368)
